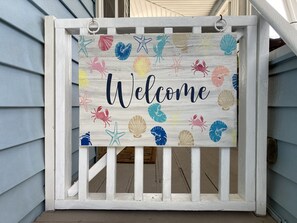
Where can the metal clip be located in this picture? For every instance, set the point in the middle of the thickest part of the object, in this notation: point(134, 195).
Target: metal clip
point(93, 26)
point(220, 23)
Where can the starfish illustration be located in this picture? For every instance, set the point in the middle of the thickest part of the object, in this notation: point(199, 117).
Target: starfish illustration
point(142, 41)
point(84, 100)
point(83, 45)
point(115, 135)
point(176, 64)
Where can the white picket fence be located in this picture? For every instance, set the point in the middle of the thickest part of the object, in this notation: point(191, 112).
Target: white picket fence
point(61, 194)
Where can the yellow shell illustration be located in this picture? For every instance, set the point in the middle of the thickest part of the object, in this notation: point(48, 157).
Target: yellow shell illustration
point(83, 79)
point(226, 99)
point(142, 65)
point(137, 126)
point(185, 138)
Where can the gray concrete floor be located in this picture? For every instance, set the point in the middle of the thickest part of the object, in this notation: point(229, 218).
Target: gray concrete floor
point(181, 181)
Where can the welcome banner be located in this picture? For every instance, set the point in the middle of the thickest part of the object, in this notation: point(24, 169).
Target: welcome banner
point(165, 90)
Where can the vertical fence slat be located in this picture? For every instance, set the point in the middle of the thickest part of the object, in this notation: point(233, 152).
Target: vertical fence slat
point(138, 174)
point(83, 165)
point(111, 169)
point(166, 188)
point(224, 174)
point(63, 77)
point(195, 174)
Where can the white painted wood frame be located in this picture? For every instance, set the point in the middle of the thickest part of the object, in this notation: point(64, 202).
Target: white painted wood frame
point(63, 112)
point(244, 201)
point(262, 111)
point(49, 112)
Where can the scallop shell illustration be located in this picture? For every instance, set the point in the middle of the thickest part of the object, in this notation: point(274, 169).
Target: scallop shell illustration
point(160, 135)
point(105, 42)
point(137, 126)
point(156, 114)
point(185, 138)
point(216, 130)
point(235, 81)
point(218, 75)
point(180, 40)
point(228, 44)
point(226, 99)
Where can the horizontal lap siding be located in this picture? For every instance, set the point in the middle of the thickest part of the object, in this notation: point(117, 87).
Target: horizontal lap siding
point(282, 122)
point(22, 103)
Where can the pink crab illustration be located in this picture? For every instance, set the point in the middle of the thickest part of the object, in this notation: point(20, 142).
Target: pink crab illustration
point(100, 67)
point(102, 115)
point(200, 67)
point(195, 121)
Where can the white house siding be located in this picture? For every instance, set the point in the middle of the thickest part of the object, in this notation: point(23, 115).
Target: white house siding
point(22, 102)
point(282, 125)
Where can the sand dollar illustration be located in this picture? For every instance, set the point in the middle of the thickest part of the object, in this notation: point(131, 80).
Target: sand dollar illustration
point(142, 65)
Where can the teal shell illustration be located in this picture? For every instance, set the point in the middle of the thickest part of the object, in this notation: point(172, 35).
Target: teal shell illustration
point(160, 135)
point(156, 114)
point(235, 81)
point(216, 130)
point(228, 44)
point(123, 51)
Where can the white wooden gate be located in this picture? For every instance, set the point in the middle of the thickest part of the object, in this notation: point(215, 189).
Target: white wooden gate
point(60, 194)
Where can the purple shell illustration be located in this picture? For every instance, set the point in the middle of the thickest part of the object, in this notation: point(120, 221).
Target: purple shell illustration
point(85, 139)
point(123, 51)
point(156, 114)
point(160, 135)
point(216, 130)
point(235, 81)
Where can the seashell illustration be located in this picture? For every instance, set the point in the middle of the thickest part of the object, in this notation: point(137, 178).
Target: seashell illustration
point(142, 65)
point(156, 114)
point(180, 40)
point(226, 99)
point(137, 126)
point(83, 80)
point(123, 51)
point(160, 135)
point(218, 75)
point(228, 44)
point(235, 81)
point(85, 140)
point(185, 138)
point(216, 130)
point(105, 42)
